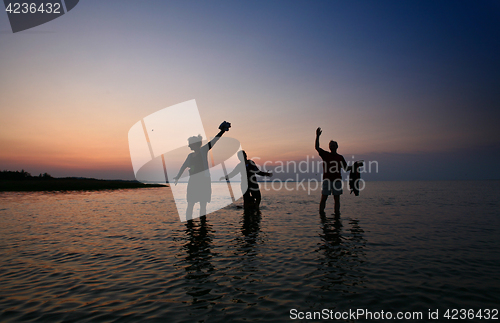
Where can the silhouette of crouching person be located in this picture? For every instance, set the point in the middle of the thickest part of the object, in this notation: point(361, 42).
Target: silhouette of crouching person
point(252, 196)
point(199, 189)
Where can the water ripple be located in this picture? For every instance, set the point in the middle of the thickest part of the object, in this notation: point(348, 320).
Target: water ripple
point(124, 256)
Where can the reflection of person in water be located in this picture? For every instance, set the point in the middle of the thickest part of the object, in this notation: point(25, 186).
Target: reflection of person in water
point(199, 187)
point(340, 251)
point(332, 178)
point(197, 265)
point(252, 197)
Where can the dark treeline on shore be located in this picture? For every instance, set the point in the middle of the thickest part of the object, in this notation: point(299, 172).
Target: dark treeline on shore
point(24, 181)
point(21, 175)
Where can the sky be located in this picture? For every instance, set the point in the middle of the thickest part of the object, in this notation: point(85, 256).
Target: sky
point(412, 85)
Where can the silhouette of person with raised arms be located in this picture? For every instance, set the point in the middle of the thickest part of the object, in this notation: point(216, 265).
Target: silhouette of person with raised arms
point(252, 196)
point(332, 178)
point(199, 187)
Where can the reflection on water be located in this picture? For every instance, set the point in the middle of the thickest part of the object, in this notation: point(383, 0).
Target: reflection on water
point(205, 284)
point(198, 267)
point(341, 254)
point(125, 256)
point(250, 228)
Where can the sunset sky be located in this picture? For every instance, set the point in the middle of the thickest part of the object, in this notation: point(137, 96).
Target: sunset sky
point(414, 85)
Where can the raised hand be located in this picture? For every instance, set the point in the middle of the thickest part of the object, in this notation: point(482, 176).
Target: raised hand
point(318, 132)
point(224, 126)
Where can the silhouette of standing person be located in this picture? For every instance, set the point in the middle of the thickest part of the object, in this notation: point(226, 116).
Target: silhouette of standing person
point(332, 178)
point(199, 187)
point(252, 196)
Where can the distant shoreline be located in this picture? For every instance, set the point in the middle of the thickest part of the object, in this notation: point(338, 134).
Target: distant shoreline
point(69, 184)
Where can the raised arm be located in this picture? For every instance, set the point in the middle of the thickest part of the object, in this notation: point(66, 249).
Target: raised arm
point(224, 126)
point(318, 133)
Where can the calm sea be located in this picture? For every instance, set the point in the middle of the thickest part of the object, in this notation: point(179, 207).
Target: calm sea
point(124, 256)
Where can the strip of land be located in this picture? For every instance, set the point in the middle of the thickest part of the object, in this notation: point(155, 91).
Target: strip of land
point(69, 184)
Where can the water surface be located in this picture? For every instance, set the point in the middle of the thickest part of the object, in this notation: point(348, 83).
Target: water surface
point(123, 255)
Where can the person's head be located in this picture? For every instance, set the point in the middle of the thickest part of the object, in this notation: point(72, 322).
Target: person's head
point(242, 155)
point(195, 142)
point(333, 146)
